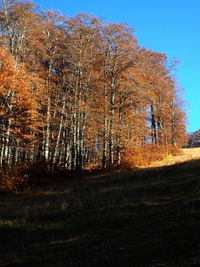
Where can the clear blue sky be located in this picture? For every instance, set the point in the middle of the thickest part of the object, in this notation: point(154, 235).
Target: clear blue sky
point(167, 26)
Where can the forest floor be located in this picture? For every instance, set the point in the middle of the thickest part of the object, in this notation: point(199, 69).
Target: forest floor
point(143, 217)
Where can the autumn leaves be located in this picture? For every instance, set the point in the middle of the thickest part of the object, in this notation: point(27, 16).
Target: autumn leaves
point(78, 92)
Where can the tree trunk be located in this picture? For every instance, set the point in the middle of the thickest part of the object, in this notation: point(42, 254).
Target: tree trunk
point(153, 125)
point(119, 137)
point(59, 135)
point(111, 140)
point(105, 125)
point(47, 139)
point(173, 140)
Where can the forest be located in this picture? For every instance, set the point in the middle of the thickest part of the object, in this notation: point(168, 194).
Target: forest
point(79, 93)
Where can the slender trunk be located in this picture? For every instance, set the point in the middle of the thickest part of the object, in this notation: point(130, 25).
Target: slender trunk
point(153, 125)
point(159, 130)
point(105, 131)
point(119, 139)
point(2, 151)
point(105, 123)
point(73, 149)
point(7, 151)
point(81, 145)
point(173, 140)
point(74, 130)
point(111, 140)
point(77, 140)
point(59, 134)
point(67, 158)
point(16, 153)
point(47, 141)
point(79, 133)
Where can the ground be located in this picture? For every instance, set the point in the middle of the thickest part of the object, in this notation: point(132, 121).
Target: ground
point(187, 154)
point(143, 217)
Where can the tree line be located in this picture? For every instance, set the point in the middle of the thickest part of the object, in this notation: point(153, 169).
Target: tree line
point(193, 139)
point(78, 92)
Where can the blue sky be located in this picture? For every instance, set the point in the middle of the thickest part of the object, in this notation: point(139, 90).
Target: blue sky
point(168, 26)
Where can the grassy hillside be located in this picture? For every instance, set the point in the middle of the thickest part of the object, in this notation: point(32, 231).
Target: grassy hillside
point(144, 217)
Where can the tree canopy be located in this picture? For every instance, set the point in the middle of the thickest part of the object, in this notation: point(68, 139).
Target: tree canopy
point(77, 92)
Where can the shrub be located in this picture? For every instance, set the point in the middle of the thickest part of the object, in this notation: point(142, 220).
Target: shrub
point(145, 155)
point(10, 183)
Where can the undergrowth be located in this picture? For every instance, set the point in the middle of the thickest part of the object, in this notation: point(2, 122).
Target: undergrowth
point(145, 155)
point(22, 176)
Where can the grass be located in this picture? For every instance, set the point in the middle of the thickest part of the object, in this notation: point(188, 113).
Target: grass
point(145, 217)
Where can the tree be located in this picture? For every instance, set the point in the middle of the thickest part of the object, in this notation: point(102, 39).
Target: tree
point(89, 91)
point(18, 110)
point(194, 139)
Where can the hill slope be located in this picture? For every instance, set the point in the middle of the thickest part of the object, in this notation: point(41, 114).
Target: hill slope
point(144, 217)
point(187, 154)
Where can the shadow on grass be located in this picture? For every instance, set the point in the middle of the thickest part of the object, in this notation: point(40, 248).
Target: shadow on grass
point(143, 217)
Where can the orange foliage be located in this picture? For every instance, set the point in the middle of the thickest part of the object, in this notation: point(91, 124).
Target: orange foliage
point(11, 183)
point(145, 155)
point(78, 93)
point(17, 102)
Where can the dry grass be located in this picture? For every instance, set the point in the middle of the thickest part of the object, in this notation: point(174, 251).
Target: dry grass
point(143, 217)
point(187, 154)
